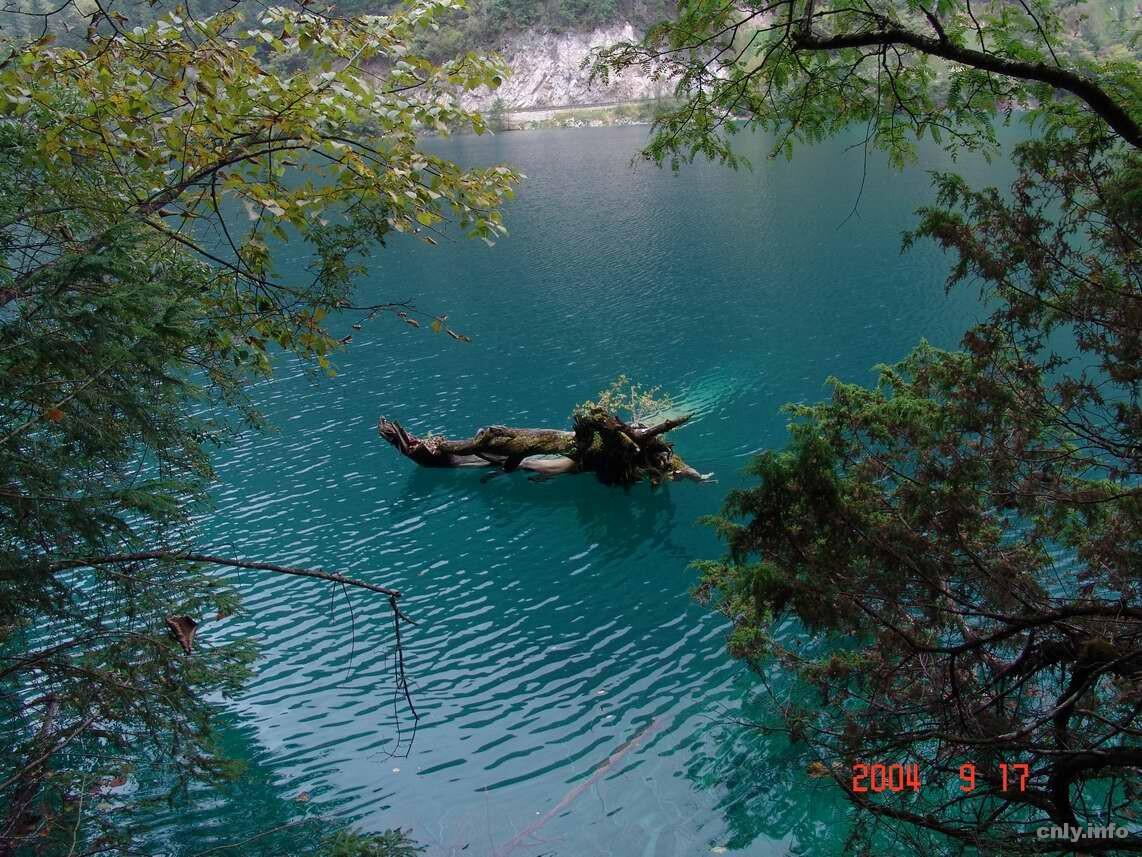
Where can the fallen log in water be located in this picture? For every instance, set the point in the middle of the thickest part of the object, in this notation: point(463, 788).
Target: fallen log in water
point(617, 452)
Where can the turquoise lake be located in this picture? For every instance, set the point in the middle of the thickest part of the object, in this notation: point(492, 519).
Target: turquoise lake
point(573, 699)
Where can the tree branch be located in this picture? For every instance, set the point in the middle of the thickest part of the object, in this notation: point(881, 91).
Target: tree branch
point(1087, 90)
point(179, 556)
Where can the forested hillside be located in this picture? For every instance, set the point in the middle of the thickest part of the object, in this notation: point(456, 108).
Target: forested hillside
point(488, 20)
point(1096, 28)
point(483, 24)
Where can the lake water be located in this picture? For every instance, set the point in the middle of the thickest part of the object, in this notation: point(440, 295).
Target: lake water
point(574, 701)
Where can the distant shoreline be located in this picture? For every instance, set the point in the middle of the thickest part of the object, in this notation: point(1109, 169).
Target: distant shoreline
point(609, 114)
point(614, 113)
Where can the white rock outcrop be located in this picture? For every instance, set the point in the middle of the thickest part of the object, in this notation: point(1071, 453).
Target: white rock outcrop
point(547, 72)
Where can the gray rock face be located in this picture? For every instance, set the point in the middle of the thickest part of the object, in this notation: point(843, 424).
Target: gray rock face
point(546, 72)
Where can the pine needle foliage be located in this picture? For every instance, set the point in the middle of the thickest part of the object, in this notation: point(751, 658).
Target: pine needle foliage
point(945, 568)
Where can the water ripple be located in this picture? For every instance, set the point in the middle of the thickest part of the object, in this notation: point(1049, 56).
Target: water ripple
point(554, 619)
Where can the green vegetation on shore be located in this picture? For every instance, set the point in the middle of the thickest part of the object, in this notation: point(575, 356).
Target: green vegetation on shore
point(624, 113)
point(480, 26)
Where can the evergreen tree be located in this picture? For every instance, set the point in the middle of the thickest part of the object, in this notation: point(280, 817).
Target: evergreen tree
point(959, 545)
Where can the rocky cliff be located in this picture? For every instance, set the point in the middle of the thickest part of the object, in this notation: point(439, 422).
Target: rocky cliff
point(547, 73)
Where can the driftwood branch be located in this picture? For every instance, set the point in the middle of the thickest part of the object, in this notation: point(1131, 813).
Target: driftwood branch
point(662, 427)
point(617, 452)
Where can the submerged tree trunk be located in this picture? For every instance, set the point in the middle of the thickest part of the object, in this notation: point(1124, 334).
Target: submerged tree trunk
point(618, 453)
